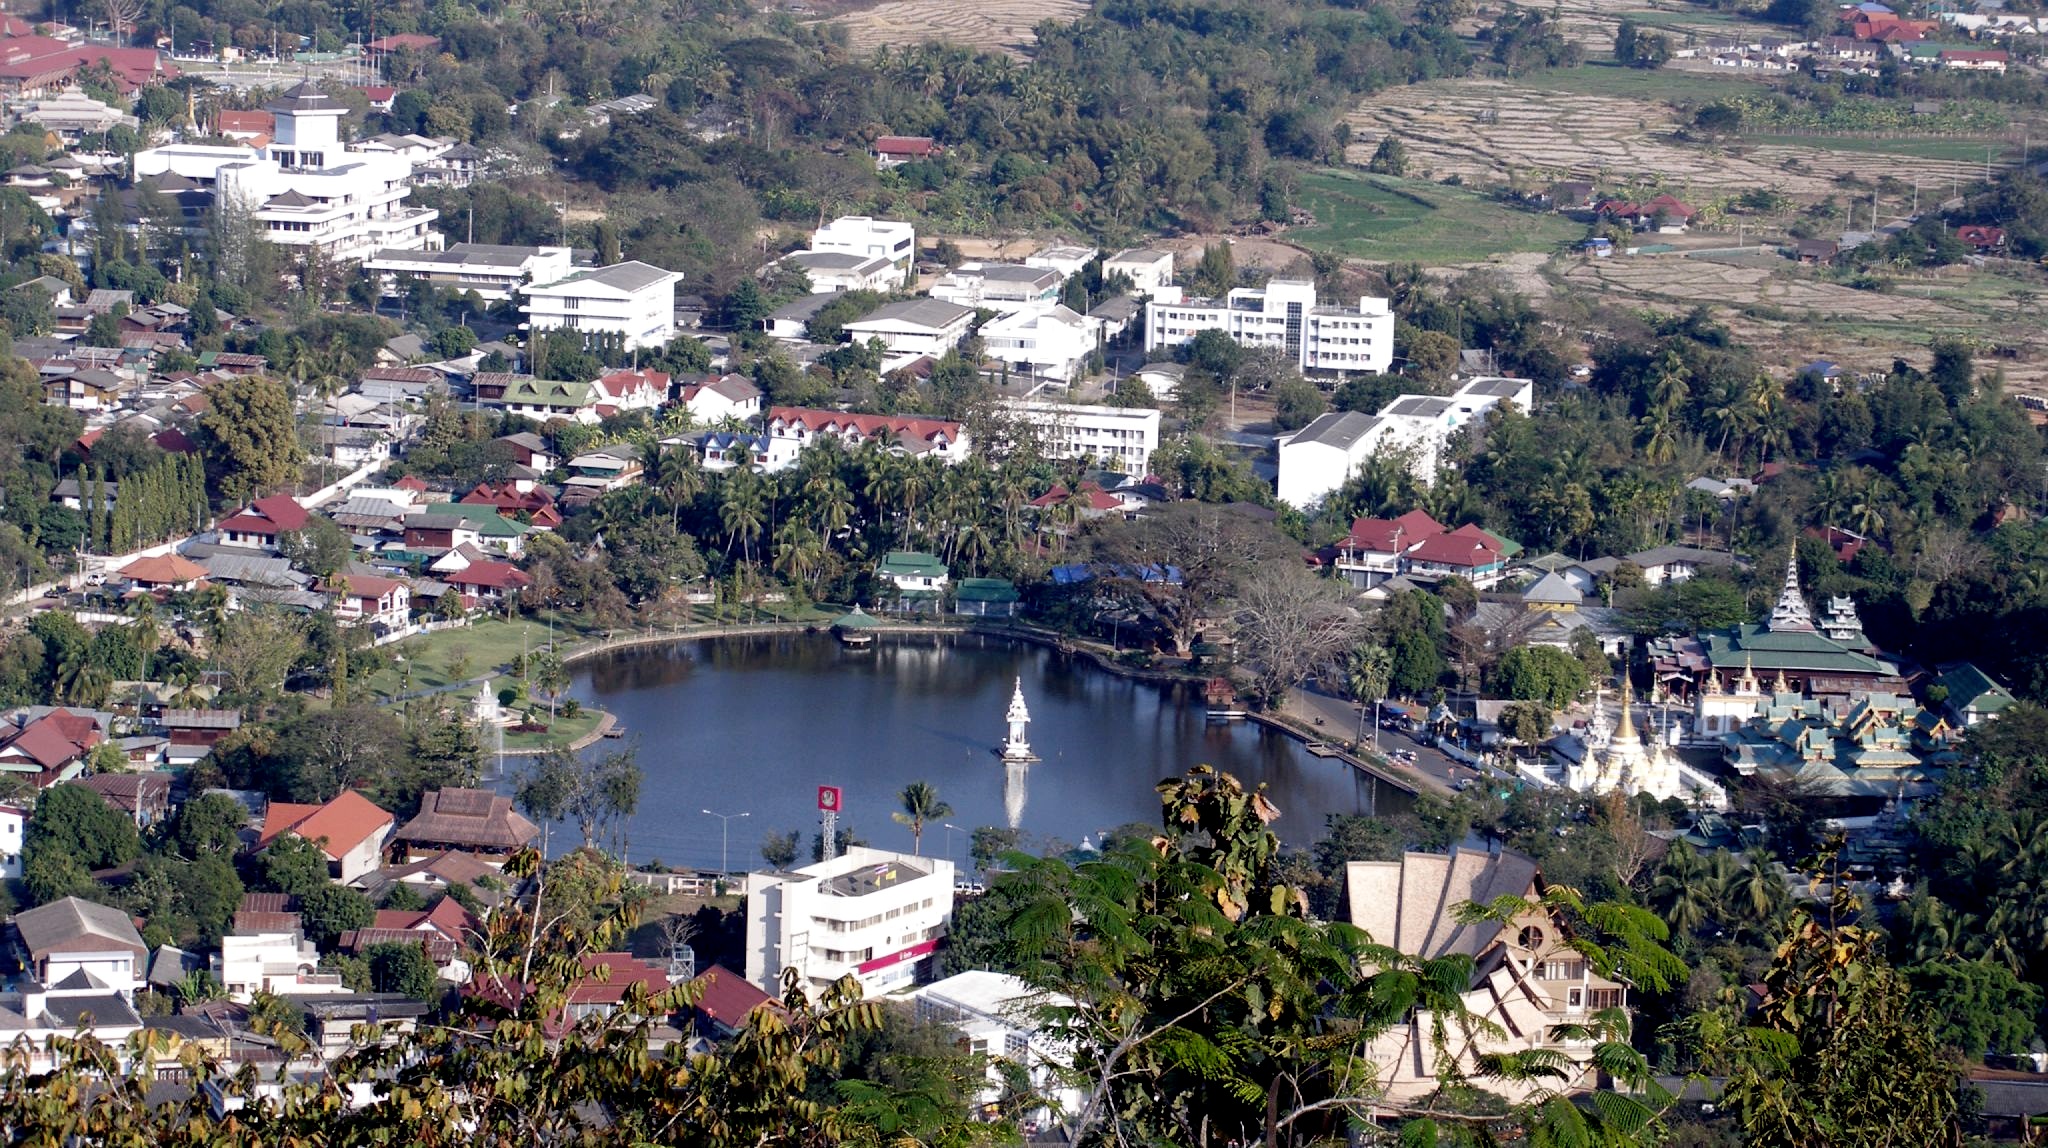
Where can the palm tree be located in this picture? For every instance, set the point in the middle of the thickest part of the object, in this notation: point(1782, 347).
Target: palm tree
point(82, 682)
point(1679, 892)
point(674, 474)
point(1660, 437)
point(740, 512)
point(921, 805)
point(799, 552)
point(1758, 891)
point(142, 621)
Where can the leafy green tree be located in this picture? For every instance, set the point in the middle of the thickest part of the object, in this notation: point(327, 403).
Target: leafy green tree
point(249, 438)
point(73, 821)
point(1977, 1006)
point(1837, 1052)
point(291, 864)
point(1389, 158)
point(1296, 403)
point(402, 968)
point(331, 910)
point(1541, 674)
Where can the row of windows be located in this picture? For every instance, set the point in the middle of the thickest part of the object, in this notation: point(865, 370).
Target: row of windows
point(856, 926)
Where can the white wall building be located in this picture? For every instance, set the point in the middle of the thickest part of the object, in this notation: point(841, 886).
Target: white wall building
point(831, 272)
point(305, 187)
point(633, 299)
point(494, 271)
point(1005, 288)
point(1065, 260)
point(1050, 343)
point(13, 831)
point(870, 914)
point(913, 327)
point(1148, 269)
point(866, 236)
point(993, 1013)
point(1318, 458)
point(1284, 314)
point(1120, 438)
point(285, 964)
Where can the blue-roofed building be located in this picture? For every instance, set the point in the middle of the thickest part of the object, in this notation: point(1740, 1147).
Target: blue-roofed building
point(1075, 573)
point(724, 450)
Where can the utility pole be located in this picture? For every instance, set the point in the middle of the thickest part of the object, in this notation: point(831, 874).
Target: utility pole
point(725, 821)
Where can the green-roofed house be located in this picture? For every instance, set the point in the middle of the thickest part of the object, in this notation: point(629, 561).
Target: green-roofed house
point(1972, 696)
point(920, 579)
point(545, 399)
point(987, 598)
point(445, 525)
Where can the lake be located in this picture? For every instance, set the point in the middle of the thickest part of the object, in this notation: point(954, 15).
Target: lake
point(754, 725)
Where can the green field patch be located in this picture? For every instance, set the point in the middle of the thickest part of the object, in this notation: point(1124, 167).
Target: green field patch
point(1380, 217)
point(1927, 147)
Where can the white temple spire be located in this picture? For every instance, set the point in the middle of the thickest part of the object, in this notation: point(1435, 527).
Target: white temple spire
point(1791, 614)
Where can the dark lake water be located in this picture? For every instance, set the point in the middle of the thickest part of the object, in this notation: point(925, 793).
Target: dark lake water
point(755, 725)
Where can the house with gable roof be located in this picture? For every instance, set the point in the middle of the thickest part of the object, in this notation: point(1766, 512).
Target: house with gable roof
point(260, 524)
point(635, 390)
point(728, 396)
point(71, 938)
point(475, 821)
point(350, 829)
point(1526, 983)
point(50, 744)
point(1420, 548)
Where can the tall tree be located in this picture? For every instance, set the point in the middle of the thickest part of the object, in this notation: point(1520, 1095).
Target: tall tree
point(921, 807)
point(249, 437)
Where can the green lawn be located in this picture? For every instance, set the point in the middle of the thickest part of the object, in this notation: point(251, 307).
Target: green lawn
point(1379, 217)
point(561, 731)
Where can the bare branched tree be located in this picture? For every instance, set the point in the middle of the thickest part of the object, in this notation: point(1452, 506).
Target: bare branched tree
point(1292, 625)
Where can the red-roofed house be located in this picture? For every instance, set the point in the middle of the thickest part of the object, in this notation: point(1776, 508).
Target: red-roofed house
point(380, 96)
point(245, 125)
point(790, 429)
point(1665, 214)
point(518, 500)
point(1467, 552)
point(372, 599)
point(1372, 552)
point(641, 390)
point(487, 581)
point(725, 1001)
point(34, 65)
point(444, 930)
point(606, 981)
point(174, 440)
point(1974, 59)
point(259, 524)
point(350, 829)
point(1980, 236)
point(164, 572)
point(895, 151)
point(1096, 501)
point(50, 748)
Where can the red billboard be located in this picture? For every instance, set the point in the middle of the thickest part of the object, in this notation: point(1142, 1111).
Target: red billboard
point(828, 798)
point(920, 949)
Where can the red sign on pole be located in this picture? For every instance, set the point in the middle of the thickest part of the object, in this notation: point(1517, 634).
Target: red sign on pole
point(828, 798)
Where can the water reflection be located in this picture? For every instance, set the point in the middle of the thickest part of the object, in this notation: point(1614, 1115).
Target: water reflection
point(756, 724)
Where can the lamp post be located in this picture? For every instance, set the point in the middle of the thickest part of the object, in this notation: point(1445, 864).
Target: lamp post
point(724, 836)
point(950, 829)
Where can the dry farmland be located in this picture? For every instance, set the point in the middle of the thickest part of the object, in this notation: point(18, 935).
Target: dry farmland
point(1003, 25)
point(1492, 131)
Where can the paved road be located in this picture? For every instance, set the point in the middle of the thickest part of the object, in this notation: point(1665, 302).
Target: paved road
point(1338, 716)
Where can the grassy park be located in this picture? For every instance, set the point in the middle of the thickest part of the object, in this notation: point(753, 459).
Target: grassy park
point(1381, 217)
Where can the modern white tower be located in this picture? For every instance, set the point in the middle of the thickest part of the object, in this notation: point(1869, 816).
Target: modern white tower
point(1016, 747)
point(308, 127)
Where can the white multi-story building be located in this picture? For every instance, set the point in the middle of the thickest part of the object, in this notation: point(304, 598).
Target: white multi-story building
point(866, 236)
point(1005, 288)
point(282, 963)
point(633, 299)
point(1119, 438)
point(995, 1014)
point(13, 834)
point(1050, 343)
point(831, 272)
point(1319, 458)
point(870, 914)
point(1147, 269)
point(305, 188)
point(1283, 314)
point(494, 271)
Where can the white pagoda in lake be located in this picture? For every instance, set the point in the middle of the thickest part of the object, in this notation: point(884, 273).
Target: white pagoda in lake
point(1016, 748)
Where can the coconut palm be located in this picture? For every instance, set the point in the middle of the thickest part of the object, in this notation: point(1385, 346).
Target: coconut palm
point(740, 512)
point(1757, 892)
point(799, 553)
point(1680, 893)
point(921, 806)
point(143, 623)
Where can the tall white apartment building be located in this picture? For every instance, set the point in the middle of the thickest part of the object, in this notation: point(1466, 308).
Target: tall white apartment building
point(1120, 438)
point(1284, 314)
point(634, 299)
point(306, 188)
point(864, 235)
point(870, 914)
point(1319, 457)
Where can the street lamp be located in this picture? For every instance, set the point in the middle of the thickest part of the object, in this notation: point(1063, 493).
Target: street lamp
point(724, 836)
point(950, 828)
